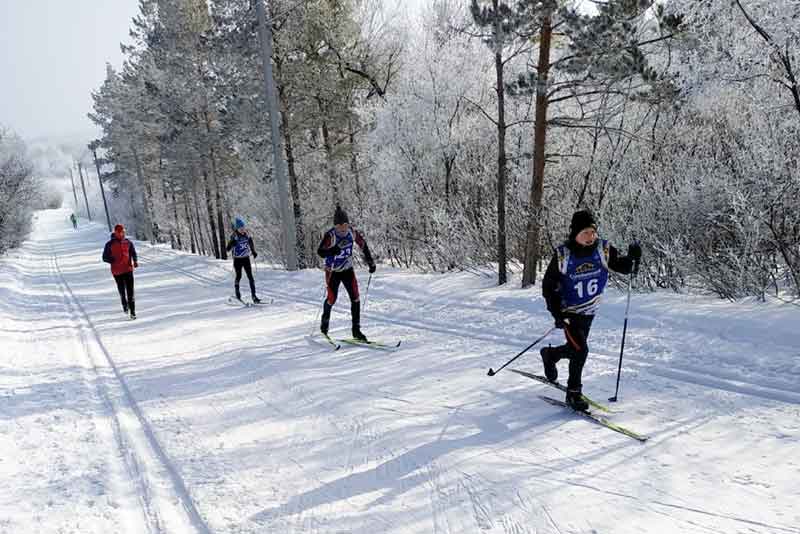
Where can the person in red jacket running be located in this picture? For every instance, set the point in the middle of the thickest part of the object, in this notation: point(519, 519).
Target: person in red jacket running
point(121, 254)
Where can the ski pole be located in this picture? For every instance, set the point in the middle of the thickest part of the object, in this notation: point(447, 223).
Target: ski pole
point(492, 372)
point(366, 293)
point(624, 330)
point(315, 324)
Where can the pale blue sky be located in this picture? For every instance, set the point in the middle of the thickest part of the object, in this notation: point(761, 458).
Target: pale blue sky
point(52, 55)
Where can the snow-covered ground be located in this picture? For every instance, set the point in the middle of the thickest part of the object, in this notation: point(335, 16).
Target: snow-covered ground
point(203, 417)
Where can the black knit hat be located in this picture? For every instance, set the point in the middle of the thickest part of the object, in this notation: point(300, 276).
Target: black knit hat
point(340, 216)
point(580, 220)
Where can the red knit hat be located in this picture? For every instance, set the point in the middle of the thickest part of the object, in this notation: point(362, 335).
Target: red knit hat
point(118, 229)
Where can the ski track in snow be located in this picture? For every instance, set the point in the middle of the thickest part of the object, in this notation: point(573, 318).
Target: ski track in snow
point(167, 503)
point(225, 420)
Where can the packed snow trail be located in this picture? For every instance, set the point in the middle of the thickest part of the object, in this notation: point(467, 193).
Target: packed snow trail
point(138, 477)
point(199, 416)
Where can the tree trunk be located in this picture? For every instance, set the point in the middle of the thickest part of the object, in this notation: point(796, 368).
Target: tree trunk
point(187, 213)
point(145, 201)
point(198, 220)
point(102, 188)
point(533, 234)
point(177, 231)
point(297, 208)
point(165, 199)
point(329, 164)
point(220, 218)
point(354, 174)
point(502, 275)
point(154, 231)
point(210, 212)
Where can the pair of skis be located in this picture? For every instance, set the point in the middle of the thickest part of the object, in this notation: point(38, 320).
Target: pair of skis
point(337, 343)
point(592, 416)
point(233, 301)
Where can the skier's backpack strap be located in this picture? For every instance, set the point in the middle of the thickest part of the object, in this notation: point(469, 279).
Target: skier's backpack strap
point(562, 252)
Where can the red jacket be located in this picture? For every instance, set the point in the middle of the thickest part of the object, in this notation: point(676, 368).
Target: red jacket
point(121, 254)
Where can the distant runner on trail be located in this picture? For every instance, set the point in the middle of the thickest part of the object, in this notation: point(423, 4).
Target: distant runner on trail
point(121, 254)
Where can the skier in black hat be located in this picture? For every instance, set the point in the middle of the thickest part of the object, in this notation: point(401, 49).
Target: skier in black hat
point(573, 283)
point(337, 250)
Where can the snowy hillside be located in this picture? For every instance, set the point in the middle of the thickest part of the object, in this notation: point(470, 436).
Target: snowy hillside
point(204, 417)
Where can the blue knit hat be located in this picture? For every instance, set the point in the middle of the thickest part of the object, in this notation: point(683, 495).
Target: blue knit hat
point(238, 223)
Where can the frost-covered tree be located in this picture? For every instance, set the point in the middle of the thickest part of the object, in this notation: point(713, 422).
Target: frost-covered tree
point(675, 121)
point(19, 190)
point(591, 63)
point(504, 31)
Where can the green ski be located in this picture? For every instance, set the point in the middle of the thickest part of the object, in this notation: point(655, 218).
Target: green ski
point(597, 419)
point(313, 339)
point(371, 344)
point(557, 385)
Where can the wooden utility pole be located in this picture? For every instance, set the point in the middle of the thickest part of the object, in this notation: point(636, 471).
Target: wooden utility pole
point(74, 193)
point(289, 231)
point(83, 186)
point(93, 147)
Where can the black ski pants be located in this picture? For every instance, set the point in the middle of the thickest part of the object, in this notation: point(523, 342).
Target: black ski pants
point(332, 281)
point(576, 349)
point(238, 265)
point(125, 288)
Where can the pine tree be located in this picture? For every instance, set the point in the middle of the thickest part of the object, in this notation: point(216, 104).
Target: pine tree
point(502, 27)
point(597, 53)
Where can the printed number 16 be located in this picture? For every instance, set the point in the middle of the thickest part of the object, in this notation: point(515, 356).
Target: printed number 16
point(591, 288)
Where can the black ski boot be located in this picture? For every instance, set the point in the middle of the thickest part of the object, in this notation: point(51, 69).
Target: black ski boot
point(355, 310)
point(256, 300)
point(132, 307)
point(238, 293)
point(359, 335)
point(326, 318)
point(575, 400)
point(549, 359)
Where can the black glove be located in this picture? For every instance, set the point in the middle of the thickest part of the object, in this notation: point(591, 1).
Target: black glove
point(371, 268)
point(255, 254)
point(559, 321)
point(635, 251)
point(333, 251)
